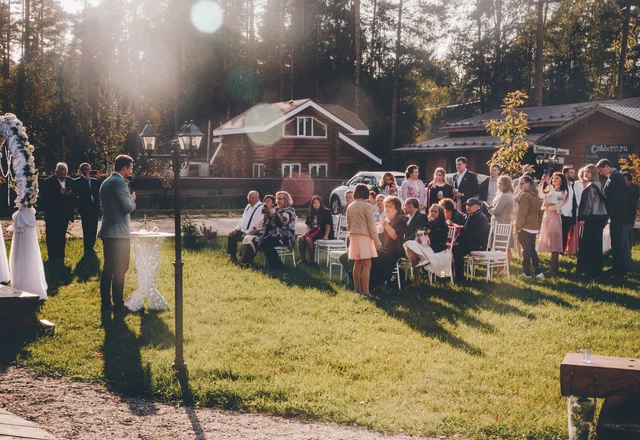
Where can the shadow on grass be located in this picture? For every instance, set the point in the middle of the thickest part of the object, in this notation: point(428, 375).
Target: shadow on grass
point(302, 276)
point(57, 275)
point(12, 345)
point(87, 267)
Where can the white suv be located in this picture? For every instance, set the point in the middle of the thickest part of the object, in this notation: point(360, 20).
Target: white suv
point(370, 178)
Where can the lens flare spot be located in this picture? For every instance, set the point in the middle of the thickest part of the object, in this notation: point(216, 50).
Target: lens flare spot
point(243, 83)
point(260, 116)
point(207, 16)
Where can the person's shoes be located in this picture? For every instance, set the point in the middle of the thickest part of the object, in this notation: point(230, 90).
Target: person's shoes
point(121, 310)
point(540, 275)
point(527, 276)
point(362, 295)
point(423, 263)
point(301, 262)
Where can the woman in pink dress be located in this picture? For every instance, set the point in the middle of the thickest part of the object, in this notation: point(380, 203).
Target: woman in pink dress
point(413, 186)
point(553, 196)
point(363, 239)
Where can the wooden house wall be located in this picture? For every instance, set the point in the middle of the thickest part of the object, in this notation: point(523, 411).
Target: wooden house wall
point(596, 129)
point(239, 152)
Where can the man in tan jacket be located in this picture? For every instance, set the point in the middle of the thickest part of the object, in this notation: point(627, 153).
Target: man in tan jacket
point(527, 224)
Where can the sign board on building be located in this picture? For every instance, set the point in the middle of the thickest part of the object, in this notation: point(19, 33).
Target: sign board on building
point(539, 149)
point(594, 152)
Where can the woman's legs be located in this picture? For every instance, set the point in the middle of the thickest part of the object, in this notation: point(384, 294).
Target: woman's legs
point(310, 248)
point(366, 271)
point(302, 241)
point(414, 259)
point(357, 275)
point(553, 267)
point(246, 254)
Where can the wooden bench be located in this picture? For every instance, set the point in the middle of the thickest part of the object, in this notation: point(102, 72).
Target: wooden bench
point(613, 378)
point(13, 427)
point(18, 310)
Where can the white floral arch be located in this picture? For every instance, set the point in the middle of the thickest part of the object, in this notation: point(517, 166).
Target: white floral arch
point(25, 268)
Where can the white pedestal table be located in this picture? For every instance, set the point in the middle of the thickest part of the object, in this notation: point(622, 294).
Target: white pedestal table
point(146, 245)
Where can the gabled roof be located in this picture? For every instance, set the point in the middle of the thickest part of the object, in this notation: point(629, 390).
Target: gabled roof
point(550, 115)
point(263, 117)
point(625, 114)
point(458, 143)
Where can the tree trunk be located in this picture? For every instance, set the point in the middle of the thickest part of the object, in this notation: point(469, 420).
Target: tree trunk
point(373, 37)
point(356, 7)
point(281, 50)
point(539, 78)
point(6, 60)
point(396, 67)
point(318, 59)
point(623, 51)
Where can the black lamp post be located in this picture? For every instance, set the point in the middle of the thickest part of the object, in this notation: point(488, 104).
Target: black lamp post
point(183, 147)
point(548, 162)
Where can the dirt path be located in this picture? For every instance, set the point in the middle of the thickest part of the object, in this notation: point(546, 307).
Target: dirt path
point(77, 411)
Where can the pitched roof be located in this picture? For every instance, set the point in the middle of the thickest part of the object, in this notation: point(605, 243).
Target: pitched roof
point(447, 143)
point(550, 115)
point(263, 117)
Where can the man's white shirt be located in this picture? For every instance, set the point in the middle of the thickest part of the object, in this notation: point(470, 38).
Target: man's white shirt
point(250, 217)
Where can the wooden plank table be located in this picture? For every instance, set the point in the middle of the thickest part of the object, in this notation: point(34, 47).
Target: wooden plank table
point(604, 376)
point(18, 310)
point(13, 427)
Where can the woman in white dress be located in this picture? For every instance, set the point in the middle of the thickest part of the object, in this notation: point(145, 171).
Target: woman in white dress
point(429, 251)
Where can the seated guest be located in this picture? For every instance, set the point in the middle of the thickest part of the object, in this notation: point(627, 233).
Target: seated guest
point(393, 228)
point(473, 237)
point(252, 240)
point(284, 230)
point(427, 250)
point(319, 227)
point(451, 214)
point(416, 220)
point(248, 221)
point(348, 195)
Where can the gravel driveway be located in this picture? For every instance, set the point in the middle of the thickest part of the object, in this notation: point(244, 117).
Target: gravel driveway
point(77, 411)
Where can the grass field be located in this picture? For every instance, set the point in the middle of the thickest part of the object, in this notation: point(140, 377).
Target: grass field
point(480, 361)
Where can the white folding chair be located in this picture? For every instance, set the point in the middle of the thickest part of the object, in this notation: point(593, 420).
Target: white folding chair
point(496, 257)
point(453, 236)
point(333, 259)
point(403, 263)
point(324, 247)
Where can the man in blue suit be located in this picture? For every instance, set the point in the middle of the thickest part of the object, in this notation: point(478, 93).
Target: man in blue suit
point(117, 205)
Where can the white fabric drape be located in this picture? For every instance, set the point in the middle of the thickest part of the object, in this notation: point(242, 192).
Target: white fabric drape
point(5, 274)
point(25, 261)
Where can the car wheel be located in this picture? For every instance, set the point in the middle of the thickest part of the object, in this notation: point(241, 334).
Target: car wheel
point(335, 205)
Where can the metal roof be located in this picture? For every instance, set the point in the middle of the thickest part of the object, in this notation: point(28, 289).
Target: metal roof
point(447, 143)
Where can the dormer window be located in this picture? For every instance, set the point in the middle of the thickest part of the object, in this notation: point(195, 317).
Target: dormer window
point(305, 126)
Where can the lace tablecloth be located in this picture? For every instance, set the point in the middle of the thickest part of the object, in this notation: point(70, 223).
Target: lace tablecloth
point(147, 260)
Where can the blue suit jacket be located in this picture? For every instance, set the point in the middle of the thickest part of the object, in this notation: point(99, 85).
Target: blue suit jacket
point(116, 207)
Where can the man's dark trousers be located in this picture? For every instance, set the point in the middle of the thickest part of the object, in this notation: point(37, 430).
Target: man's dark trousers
point(117, 253)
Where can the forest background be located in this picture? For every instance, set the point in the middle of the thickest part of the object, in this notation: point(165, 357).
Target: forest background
point(84, 84)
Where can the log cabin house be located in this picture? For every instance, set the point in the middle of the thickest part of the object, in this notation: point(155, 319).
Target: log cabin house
point(285, 139)
point(590, 131)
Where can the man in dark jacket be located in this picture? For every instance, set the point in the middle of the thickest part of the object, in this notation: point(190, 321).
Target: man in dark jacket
point(416, 220)
point(615, 191)
point(465, 183)
point(473, 237)
point(88, 193)
point(633, 193)
point(58, 203)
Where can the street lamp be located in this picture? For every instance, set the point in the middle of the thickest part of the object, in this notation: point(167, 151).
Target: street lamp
point(548, 162)
point(185, 145)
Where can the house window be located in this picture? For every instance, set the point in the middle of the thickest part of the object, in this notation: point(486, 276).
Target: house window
point(305, 127)
point(318, 170)
point(258, 170)
point(290, 169)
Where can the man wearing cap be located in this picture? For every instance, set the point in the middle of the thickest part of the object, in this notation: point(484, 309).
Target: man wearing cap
point(473, 237)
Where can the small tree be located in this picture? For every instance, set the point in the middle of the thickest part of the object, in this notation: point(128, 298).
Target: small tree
point(512, 132)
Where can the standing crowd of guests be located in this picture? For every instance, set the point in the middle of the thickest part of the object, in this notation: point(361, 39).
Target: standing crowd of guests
point(563, 212)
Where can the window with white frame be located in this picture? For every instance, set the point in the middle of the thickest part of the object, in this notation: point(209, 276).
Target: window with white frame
point(291, 169)
point(305, 126)
point(318, 170)
point(258, 170)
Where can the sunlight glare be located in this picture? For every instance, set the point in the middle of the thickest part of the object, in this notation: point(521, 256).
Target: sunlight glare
point(207, 16)
point(259, 116)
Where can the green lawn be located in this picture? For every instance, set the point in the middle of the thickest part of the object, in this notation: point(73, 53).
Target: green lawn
point(481, 361)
